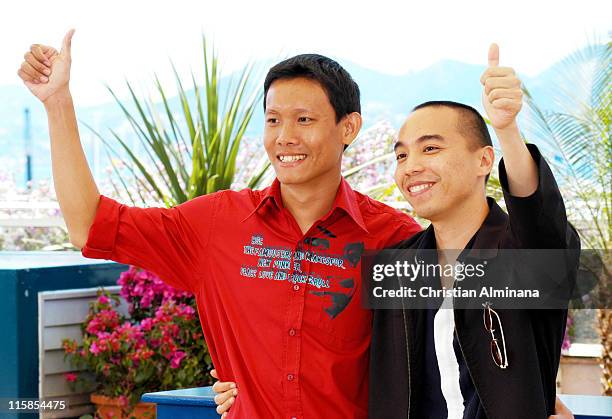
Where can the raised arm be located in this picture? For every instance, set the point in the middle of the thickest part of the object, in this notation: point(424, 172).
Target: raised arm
point(502, 99)
point(46, 72)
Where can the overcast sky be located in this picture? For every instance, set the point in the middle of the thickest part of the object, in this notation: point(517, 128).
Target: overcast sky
point(128, 38)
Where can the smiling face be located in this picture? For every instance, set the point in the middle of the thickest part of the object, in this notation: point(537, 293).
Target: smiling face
point(438, 168)
point(301, 136)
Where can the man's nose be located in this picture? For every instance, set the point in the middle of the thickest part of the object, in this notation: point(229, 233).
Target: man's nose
point(413, 165)
point(287, 135)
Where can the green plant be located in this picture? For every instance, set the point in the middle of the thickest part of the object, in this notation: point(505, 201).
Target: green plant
point(192, 158)
point(581, 138)
point(159, 349)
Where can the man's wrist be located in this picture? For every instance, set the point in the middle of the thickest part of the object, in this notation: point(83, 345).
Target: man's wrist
point(509, 132)
point(59, 98)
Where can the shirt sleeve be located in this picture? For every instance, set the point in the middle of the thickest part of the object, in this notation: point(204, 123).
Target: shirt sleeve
point(169, 242)
point(539, 221)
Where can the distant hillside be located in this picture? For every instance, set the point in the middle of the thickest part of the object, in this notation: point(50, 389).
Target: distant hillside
point(384, 96)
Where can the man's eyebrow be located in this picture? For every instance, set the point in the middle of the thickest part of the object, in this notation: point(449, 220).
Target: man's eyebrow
point(294, 111)
point(430, 137)
point(303, 110)
point(422, 138)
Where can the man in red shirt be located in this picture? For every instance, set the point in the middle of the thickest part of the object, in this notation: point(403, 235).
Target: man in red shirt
point(276, 272)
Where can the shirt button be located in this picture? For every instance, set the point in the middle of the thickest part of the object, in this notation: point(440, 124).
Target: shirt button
point(290, 377)
point(296, 287)
point(292, 332)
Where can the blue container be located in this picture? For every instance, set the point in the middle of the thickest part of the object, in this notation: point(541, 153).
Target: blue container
point(22, 276)
point(588, 407)
point(184, 404)
point(200, 403)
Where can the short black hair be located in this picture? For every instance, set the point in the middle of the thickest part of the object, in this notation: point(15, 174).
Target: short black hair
point(341, 89)
point(470, 123)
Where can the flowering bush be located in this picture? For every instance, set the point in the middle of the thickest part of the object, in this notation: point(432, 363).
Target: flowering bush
point(159, 347)
point(145, 292)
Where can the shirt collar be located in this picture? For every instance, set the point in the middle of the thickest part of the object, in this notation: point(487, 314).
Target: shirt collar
point(346, 199)
point(271, 196)
point(485, 243)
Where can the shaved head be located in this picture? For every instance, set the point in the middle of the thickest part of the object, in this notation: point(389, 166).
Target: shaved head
point(469, 122)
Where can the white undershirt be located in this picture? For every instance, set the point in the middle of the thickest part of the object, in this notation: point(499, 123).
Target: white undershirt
point(444, 328)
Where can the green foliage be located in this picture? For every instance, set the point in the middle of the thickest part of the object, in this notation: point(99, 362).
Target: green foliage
point(581, 135)
point(123, 358)
point(190, 155)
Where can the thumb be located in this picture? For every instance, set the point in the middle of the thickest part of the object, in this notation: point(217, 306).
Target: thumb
point(67, 43)
point(493, 55)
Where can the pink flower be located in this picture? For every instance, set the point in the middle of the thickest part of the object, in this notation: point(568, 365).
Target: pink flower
point(103, 299)
point(146, 324)
point(70, 377)
point(177, 358)
point(94, 349)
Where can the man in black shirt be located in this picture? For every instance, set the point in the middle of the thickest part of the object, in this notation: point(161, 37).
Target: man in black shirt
point(505, 361)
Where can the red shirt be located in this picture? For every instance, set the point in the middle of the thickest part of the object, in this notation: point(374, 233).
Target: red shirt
point(280, 310)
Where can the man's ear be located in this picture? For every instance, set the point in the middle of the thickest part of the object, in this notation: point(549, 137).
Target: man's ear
point(487, 159)
point(351, 124)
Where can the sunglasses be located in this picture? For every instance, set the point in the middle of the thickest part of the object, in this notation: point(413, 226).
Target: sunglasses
point(492, 324)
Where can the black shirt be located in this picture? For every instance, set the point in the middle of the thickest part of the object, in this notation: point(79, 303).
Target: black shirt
point(435, 405)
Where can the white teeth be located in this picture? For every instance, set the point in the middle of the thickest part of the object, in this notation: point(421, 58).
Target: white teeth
point(289, 159)
point(421, 187)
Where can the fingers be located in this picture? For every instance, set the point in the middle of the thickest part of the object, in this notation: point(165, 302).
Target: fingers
point(37, 64)
point(502, 88)
point(496, 72)
point(48, 51)
point(505, 93)
point(493, 55)
point(37, 51)
point(507, 104)
point(29, 73)
point(67, 43)
point(222, 387)
point(225, 396)
point(223, 408)
point(26, 78)
point(507, 82)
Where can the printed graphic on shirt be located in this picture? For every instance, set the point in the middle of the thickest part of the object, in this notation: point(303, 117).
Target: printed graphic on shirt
point(353, 252)
point(339, 300)
point(326, 232)
point(278, 263)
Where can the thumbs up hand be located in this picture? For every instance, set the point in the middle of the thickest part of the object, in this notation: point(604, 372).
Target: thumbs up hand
point(45, 71)
point(502, 96)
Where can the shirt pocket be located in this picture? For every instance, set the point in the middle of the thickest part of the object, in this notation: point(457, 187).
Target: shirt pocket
point(339, 313)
